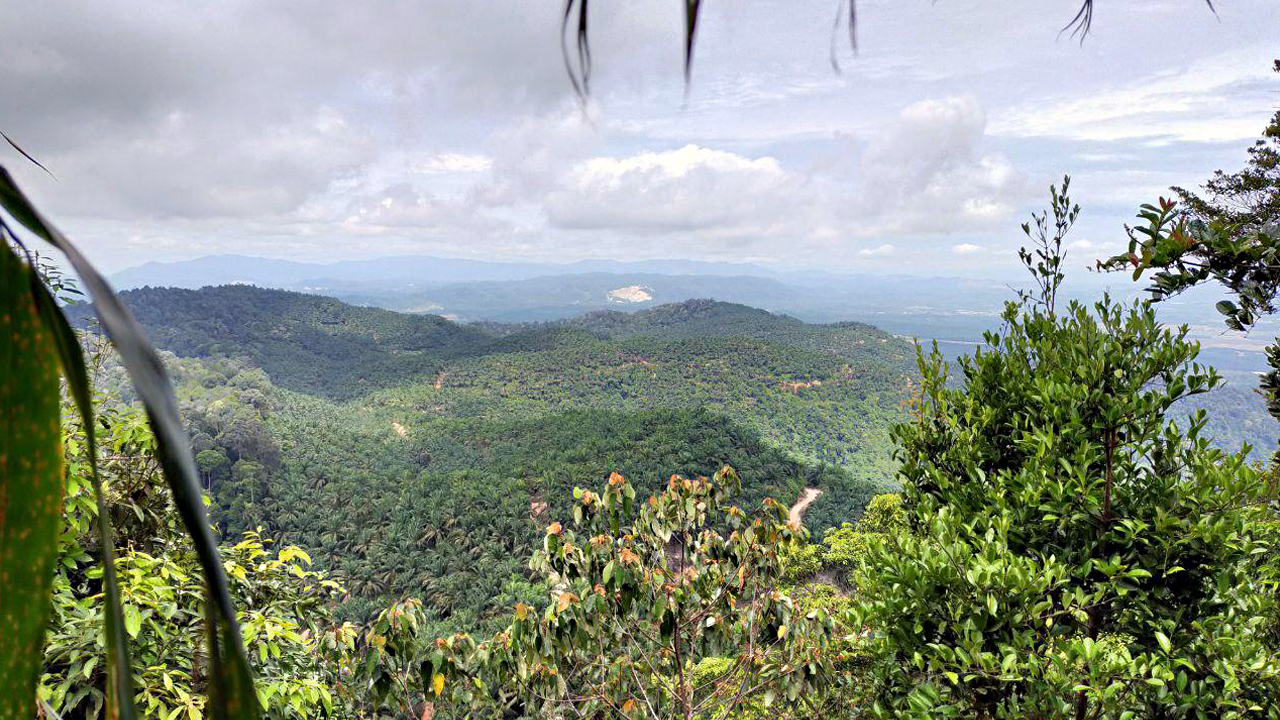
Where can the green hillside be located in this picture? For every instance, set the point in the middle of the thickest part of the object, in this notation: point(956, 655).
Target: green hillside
point(827, 393)
point(306, 343)
point(815, 404)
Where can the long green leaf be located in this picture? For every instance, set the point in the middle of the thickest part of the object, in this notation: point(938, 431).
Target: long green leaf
point(30, 487)
point(231, 693)
point(120, 682)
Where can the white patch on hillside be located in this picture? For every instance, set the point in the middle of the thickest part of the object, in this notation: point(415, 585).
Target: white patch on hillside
point(630, 294)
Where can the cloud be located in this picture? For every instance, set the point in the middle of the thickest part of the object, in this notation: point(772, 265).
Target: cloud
point(246, 110)
point(267, 170)
point(929, 172)
point(926, 171)
point(1218, 98)
point(967, 249)
point(455, 162)
point(387, 126)
point(690, 188)
point(532, 153)
point(883, 250)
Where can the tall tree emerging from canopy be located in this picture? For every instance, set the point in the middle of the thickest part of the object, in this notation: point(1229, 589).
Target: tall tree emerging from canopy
point(1229, 235)
point(1076, 552)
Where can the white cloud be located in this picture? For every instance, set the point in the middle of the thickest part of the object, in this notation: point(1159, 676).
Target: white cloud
point(689, 188)
point(1213, 99)
point(930, 172)
point(531, 153)
point(883, 250)
point(925, 172)
point(386, 126)
point(455, 162)
point(967, 249)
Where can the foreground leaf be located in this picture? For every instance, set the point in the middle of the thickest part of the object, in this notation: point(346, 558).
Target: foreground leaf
point(30, 486)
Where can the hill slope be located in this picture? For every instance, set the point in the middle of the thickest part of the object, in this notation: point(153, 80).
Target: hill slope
point(306, 343)
point(827, 393)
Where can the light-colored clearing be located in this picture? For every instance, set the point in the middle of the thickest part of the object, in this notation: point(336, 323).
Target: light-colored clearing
point(630, 293)
point(796, 515)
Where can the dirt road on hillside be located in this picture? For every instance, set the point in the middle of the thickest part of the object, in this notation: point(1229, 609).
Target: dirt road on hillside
point(796, 514)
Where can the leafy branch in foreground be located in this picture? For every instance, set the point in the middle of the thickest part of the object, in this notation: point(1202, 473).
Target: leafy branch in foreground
point(35, 340)
point(1045, 258)
point(1230, 236)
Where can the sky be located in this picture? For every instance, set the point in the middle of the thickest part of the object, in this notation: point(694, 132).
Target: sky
point(326, 131)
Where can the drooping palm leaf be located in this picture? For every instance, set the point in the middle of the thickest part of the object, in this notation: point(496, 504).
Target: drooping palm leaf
point(24, 153)
point(231, 686)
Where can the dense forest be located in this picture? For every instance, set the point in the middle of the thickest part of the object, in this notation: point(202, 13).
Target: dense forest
point(415, 456)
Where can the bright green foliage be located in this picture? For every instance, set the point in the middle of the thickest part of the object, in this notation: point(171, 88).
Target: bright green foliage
point(385, 673)
point(448, 510)
point(284, 605)
point(30, 484)
point(1073, 551)
point(1045, 257)
point(884, 514)
point(164, 621)
point(1185, 250)
point(800, 561)
point(844, 550)
point(230, 686)
point(643, 594)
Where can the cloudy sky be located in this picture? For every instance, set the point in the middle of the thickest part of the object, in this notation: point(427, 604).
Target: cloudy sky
point(326, 130)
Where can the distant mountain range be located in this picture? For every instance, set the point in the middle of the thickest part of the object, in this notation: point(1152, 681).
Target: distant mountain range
point(950, 309)
point(472, 290)
point(402, 273)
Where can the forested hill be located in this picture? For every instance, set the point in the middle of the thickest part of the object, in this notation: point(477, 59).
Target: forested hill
point(685, 319)
point(413, 455)
point(322, 346)
point(306, 343)
point(826, 393)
